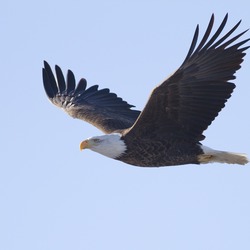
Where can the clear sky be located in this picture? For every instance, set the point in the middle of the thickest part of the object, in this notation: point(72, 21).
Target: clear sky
point(54, 197)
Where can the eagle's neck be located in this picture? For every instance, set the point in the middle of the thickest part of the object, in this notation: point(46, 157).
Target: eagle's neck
point(110, 145)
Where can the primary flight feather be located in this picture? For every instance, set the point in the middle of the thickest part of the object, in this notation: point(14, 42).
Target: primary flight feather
point(169, 129)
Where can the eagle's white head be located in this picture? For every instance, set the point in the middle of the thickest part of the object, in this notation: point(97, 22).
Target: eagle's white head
point(109, 145)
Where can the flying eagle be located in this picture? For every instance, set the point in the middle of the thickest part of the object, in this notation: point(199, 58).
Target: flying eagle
point(169, 130)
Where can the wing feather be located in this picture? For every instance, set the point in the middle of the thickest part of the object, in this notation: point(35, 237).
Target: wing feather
point(61, 81)
point(186, 103)
point(101, 108)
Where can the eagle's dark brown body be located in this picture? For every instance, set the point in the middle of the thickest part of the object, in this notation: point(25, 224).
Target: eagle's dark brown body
point(145, 153)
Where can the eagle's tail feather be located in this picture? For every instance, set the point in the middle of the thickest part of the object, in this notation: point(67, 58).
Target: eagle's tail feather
point(211, 155)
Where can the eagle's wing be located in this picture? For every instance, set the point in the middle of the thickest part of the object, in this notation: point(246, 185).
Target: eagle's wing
point(186, 103)
point(101, 108)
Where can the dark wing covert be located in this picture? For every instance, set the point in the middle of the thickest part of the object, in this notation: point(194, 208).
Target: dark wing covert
point(99, 107)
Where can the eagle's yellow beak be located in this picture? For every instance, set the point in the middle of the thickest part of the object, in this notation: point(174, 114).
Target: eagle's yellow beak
point(84, 144)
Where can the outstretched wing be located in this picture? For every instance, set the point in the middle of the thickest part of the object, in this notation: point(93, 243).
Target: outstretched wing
point(101, 108)
point(186, 103)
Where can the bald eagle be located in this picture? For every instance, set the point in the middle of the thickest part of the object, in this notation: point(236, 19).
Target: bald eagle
point(169, 130)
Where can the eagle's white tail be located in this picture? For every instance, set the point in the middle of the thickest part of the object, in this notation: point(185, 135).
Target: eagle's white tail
point(210, 155)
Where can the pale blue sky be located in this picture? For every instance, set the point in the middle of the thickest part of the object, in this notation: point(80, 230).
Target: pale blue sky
point(55, 197)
